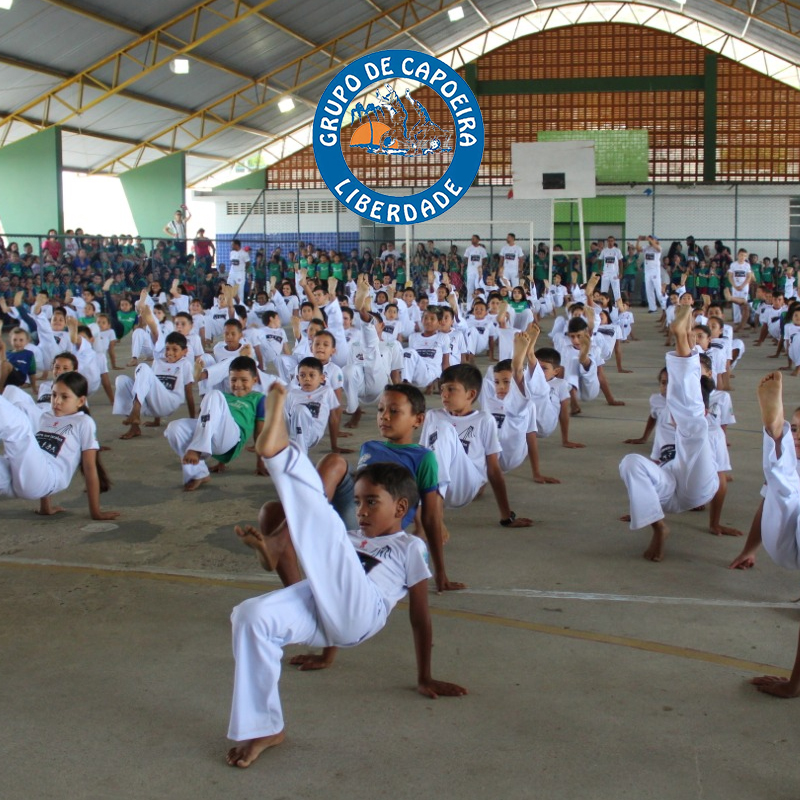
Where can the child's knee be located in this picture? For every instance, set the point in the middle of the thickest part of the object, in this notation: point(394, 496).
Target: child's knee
point(332, 468)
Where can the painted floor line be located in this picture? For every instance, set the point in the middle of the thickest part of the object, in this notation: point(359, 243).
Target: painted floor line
point(629, 598)
point(191, 577)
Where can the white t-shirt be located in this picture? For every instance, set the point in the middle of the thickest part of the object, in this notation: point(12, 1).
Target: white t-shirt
point(611, 257)
point(238, 261)
point(432, 347)
point(320, 402)
point(515, 414)
point(477, 432)
point(103, 339)
point(273, 339)
point(652, 259)
point(511, 256)
point(221, 353)
point(175, 376)
point(394, 563)
point(65, 438)
point(737, 273)
point(475, 256)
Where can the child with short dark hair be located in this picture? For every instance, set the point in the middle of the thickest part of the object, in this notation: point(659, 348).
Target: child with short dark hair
point(349, 590)
point(309, 404)
point(225, 421)
point(466, 444)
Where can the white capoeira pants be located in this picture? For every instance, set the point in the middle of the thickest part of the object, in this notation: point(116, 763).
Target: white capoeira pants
point(337, 604)
point(304, 430)
point(419, 371)
point(156, 400)
point(780, 521)
point(652, 287)
point(739, 294)
point(522, 319)
point(473, 278)
point(738, 344)
point(238, 280)
point(26, 471)
point(460, 479)
point(547, 411)
point(214, 432)
point(584, 379)
point(141, 343)
point(25, 403)
point(691, 478)
point(363, 382)
point(610, 281)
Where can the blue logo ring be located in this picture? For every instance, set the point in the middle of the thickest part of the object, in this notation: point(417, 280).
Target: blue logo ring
point(384, 67)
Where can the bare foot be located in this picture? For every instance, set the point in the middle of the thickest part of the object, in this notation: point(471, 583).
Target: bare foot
point(770, 398)
point(625, 371)
point(777, 687)
point(311, 661)
point(625, 518)
point(217, 468)
point(655, 552)
point(191, 457)
point(269, 549)
point(133, 362)
point(194, 484)
point(243, 755)
point(355, 418)
point(724, 530)
point(616, 402)
point(154, 424)
point(132, 432)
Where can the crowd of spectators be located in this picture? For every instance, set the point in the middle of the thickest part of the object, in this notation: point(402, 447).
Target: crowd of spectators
point(72, 261)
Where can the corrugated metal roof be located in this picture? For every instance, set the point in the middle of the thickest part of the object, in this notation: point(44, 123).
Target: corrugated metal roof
point(44, 43)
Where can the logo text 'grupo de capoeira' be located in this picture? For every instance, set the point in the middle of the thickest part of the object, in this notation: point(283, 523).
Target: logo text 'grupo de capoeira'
point(417, 137)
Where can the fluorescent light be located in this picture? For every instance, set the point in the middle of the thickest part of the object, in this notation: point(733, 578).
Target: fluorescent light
point(180, 66)
point(6, 4)
point(287, 104)
point(456, 14)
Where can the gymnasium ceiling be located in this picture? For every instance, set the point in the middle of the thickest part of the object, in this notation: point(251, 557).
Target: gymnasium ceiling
point(101, 69)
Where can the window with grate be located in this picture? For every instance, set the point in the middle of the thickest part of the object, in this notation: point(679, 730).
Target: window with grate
point(758, 130)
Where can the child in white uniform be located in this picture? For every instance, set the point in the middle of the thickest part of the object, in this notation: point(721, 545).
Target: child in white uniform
point(309, 404)
point(690, 479)
point(156, 391)
point(466, 444)
point(353, 581)
point(223, 425)
point(40, 460)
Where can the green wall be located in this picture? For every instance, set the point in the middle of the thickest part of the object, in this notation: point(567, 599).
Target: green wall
point(32, 199)
point(596, 211)
point(154, 192)
point(253, 180)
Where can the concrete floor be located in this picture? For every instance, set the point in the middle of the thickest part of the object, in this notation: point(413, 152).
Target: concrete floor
point(116, 666)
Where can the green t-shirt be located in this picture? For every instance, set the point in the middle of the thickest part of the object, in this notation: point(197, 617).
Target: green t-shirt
point(400, 277)
point(127, 320)
point(246, 411)
point(337, 270)
point(324, 271)
point(540, 268)
point(631, 266)
point(519, 305)
point(768, 274)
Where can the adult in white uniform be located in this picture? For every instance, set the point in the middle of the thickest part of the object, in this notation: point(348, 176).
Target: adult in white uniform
point(652, 269)
point(476, 258)
point(237, 268)
point(511, 257)
point(611, 256)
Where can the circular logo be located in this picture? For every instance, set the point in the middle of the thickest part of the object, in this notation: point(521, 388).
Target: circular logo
point(392, 127)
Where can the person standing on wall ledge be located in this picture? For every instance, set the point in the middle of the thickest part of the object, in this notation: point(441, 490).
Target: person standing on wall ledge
point(176, 228)
point(204, 250)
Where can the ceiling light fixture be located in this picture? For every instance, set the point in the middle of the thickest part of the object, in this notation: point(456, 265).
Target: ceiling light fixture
point(180, 66)
point(287, 104)
point(456, 14)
